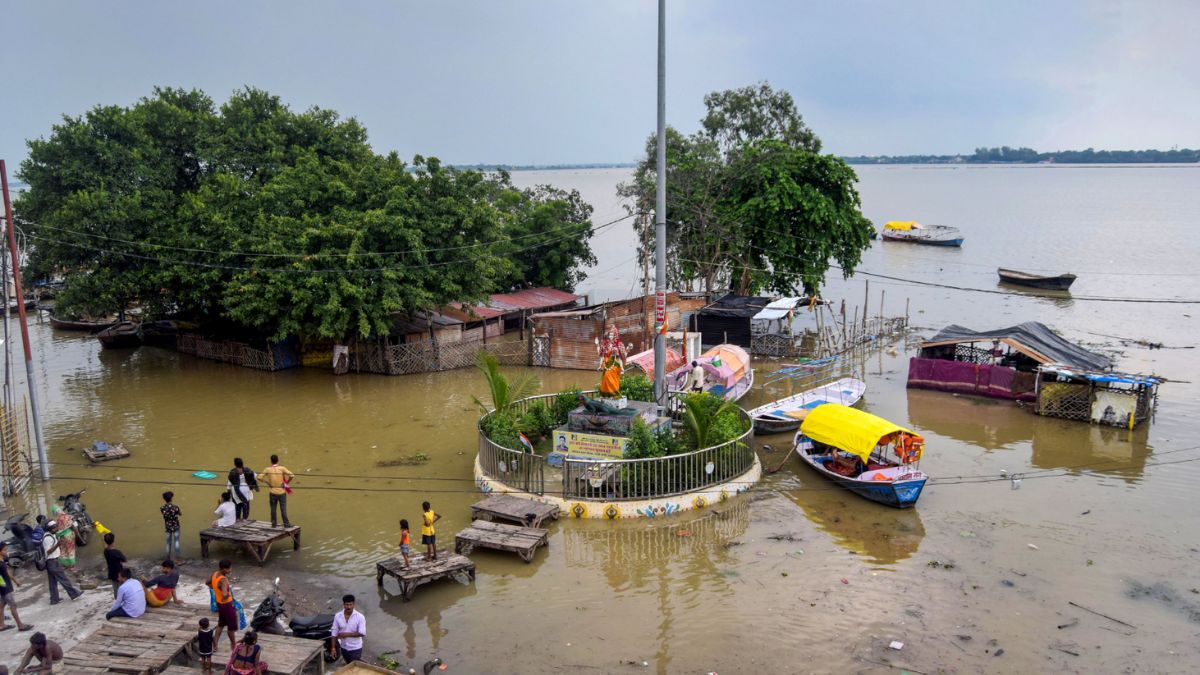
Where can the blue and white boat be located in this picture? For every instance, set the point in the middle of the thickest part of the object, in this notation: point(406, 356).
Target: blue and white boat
point(917, 233)
point(867, 455)
point(787, 413)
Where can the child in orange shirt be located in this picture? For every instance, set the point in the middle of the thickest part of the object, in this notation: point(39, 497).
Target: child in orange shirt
point(405, 540)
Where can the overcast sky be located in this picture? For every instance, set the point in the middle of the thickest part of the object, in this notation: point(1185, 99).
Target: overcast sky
point(559, 81)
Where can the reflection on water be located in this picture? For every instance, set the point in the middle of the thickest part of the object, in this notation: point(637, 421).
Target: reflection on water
point(1055, 443)
point(880, 535)
point(426, 617)
point(1058, 299)
point(1107, 450)
point(988, 423)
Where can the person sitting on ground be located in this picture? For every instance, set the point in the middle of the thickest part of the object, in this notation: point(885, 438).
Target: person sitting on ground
point(246, 658)
point(163, 586)
point(131, 599)
point(226, 511)
point(46, 651)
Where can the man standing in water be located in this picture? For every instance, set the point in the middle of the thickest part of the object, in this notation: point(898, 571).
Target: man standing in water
point(349, 628)
point(278, 480)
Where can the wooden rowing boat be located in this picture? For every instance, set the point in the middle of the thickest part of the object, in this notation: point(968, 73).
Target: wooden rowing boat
point(122, 335)
point(1057, 282)
point(89, 326)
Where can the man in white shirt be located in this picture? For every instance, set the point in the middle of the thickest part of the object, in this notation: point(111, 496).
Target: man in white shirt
point(226, 511)
point(54, 571)
point(697, 376)
point(349, 628)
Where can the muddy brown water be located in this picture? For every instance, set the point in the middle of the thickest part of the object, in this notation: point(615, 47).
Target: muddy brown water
point(796, 577)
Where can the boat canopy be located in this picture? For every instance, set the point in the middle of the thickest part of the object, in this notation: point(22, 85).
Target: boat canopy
point(849, 429)
point(901, 225)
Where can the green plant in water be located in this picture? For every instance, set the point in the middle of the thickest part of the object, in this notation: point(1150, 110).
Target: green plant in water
point(705, 419)
point(503, 392)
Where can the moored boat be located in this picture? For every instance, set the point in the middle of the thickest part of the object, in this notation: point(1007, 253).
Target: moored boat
point(867, 455)
point(88, 325)
point(1057, 282)
point(787, 413)
point(917, 233)
point(121, 335)
point(727, 372)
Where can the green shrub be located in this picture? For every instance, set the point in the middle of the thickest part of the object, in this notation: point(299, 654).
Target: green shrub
point(637, 387)
point(501, 428)
point(538, 421)
point(643, 442)
point(564, 403)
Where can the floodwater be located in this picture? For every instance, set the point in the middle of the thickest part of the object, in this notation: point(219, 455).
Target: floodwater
point(794, 577)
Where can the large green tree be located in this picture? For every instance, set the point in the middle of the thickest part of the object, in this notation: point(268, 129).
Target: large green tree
point(752, 205)
point(274, 222)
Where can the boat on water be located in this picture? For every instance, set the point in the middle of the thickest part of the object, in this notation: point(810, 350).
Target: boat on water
point(163, 332)
point(121, 335)
point(727, 372)
point(867, 455)
point(88, 325)
point(1057, 282)
point(917, 233)
point(787, 413)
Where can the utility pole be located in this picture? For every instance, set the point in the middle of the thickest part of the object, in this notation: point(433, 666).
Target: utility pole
point(16, 272)
point(660, 217)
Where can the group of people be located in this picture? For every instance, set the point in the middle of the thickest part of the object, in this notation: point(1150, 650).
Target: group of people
point(233, 506)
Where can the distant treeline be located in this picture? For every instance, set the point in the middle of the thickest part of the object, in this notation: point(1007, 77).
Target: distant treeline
point(1007, 155)
point(543, 167)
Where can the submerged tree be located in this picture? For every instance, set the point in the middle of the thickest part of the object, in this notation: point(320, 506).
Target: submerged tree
point(276, 222)
point(751, 204)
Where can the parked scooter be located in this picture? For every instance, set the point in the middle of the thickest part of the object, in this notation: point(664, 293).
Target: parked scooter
point(268, 619)
point(78, 512)
point(21, 546)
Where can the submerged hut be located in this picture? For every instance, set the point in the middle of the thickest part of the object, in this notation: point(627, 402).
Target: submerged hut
point(1001, 363)
point(1103, 397)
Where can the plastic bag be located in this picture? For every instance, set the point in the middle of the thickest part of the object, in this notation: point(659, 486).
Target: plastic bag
point(237, 604)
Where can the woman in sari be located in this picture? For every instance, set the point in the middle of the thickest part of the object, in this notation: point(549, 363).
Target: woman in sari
point(246, 658)
point(66, 536)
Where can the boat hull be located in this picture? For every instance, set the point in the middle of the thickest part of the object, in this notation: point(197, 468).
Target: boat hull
point(927, 241)
point(123, 335)
point(1060, 282)
point(85, 326)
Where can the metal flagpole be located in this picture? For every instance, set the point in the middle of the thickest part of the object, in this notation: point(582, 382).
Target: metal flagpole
point(660, 217)
point(16, 272)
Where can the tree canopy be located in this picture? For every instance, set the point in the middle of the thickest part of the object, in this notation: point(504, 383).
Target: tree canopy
point(277, 222)
point(752, 205)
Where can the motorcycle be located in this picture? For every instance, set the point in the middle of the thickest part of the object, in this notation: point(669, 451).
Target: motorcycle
point(78, 512)
point(21, 546)
point(268, 619)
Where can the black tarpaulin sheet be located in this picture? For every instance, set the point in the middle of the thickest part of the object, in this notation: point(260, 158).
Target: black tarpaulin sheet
point(1046, 345)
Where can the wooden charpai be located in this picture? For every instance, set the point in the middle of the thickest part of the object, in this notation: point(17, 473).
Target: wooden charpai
point(447, 566)
point(521, 511)
point(256, 536)
point(520, 540)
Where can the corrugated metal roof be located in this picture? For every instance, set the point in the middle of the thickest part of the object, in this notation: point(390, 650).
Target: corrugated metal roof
point(419, 323)
point(500, 304)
